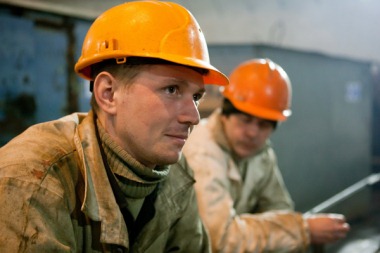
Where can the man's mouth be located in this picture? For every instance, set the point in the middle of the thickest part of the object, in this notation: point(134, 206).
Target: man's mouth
point(179, 136)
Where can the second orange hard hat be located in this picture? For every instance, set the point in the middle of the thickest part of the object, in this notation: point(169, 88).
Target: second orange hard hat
point(260, 88)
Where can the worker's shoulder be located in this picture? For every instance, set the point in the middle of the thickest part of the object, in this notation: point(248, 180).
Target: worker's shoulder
point(37, 149)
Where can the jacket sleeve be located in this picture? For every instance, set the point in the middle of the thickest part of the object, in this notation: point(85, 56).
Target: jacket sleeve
point(276, 231)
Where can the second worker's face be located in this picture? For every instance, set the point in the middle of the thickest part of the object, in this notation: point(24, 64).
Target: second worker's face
point(156, 112)
point(246, 134)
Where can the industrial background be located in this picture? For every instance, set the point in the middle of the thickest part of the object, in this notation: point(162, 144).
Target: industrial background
point(330, 50)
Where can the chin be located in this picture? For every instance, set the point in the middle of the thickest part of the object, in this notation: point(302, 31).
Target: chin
point(245, 154)
point(167, 160)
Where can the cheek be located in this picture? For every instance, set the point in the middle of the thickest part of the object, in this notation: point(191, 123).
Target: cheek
point(152, 118)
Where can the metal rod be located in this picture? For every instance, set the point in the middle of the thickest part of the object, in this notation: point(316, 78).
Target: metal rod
point(346, 193)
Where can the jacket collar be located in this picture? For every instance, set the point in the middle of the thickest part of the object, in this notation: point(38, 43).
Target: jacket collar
point(98, 201)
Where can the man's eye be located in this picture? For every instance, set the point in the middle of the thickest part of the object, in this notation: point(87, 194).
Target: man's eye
point(265, 124)
point(172, 89)
point(244, 118)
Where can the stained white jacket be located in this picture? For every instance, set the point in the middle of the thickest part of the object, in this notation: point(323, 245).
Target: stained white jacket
point(229, 205)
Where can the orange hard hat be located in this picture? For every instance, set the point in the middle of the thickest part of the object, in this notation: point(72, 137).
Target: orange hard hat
point(153, 29)
point(260, 88)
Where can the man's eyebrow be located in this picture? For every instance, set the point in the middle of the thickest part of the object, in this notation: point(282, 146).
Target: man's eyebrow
point(184, 82)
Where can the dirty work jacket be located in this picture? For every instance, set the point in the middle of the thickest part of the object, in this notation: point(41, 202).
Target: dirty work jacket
point(55, 197)
point(227, 202)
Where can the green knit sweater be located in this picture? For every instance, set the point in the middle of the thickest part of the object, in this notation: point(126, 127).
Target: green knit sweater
point(135, 180)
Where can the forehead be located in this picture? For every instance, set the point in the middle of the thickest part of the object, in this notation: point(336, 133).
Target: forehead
point(175, 69)
point(249, 117)
point(182, 74)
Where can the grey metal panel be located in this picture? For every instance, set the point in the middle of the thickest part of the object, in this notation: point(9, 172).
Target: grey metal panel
point(326, 145)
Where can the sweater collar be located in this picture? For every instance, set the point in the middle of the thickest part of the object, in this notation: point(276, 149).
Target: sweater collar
point(135, 179)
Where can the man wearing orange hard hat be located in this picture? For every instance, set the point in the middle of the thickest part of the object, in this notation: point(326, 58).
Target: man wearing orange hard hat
point(242, 198)
point(111, 180)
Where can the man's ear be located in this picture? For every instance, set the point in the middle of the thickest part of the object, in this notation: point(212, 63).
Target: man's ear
point(104, 92)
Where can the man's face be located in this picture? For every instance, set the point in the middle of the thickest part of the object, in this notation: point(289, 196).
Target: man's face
point(246, 134)
point(156, 111)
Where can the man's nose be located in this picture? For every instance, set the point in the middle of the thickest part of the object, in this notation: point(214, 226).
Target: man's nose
point(189, 113)
point(252, 129)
